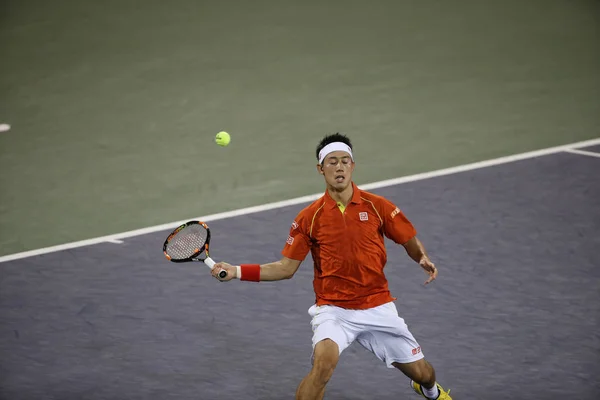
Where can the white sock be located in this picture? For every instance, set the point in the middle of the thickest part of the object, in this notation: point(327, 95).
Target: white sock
point(432, 393)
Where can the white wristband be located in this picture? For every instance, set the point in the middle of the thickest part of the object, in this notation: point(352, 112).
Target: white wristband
point(238, 272)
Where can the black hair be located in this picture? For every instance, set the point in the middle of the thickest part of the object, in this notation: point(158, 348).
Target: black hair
point(336, 137)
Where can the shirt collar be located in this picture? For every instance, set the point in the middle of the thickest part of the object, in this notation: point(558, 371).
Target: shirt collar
point(355, 197)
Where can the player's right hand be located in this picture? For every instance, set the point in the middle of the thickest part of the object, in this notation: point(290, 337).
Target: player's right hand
point(223, 266)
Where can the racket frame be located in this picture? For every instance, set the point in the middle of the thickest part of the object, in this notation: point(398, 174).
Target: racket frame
point(194, 257)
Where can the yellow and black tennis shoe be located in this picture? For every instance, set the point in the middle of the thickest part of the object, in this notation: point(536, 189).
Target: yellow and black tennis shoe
point(443, 394)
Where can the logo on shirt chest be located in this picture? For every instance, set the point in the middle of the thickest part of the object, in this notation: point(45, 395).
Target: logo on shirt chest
point(363, 216)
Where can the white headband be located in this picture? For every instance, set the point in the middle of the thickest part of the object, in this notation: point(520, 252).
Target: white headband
point(335, 146)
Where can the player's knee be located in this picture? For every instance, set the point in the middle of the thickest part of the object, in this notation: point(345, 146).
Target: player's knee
point(419, 371)
point(425, 374)
point(323, 369)
point(326, 359)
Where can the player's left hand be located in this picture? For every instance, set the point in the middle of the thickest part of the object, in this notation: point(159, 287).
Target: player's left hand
point(430, 268)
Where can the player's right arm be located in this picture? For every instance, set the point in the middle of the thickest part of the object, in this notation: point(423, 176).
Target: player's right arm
point(297, 246)
point(274, 271)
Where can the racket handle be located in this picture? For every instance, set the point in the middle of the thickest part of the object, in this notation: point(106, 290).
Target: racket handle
point(211, 263)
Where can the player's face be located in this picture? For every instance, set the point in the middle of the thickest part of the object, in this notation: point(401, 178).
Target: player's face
point(337, 169)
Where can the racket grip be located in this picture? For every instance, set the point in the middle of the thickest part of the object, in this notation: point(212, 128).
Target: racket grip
point(211, 263)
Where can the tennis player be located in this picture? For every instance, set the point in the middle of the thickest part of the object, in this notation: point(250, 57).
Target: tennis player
point(344, 230)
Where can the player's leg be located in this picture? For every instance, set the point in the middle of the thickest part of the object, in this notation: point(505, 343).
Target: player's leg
point(422, 376)
point(387, 336)
point(326, 356)
point(419, 371)
point(330, 337)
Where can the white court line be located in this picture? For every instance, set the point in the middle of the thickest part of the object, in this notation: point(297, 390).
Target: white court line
point(116, 241)
point(583, 152)
point(305, 199)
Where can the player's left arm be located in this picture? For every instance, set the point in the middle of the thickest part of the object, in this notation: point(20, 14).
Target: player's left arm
point(415, 249)
point(398, 228)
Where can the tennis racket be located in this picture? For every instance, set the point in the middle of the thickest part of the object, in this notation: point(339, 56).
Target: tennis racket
point(189, 242)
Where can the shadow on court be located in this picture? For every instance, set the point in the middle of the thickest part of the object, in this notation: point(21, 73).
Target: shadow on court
point(513, 315)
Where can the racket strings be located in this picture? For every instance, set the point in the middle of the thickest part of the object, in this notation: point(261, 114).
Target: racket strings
point(187, 242)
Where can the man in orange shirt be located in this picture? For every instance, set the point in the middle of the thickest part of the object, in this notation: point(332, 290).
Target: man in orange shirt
point(344, 230)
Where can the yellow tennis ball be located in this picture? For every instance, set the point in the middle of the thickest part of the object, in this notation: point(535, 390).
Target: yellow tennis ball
point(222, 138)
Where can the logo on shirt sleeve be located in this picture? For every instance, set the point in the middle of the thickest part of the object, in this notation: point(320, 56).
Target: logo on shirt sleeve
point(294, 225)
point(290, 240)
point(395, 212)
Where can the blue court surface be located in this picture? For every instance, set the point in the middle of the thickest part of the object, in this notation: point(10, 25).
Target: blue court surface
point(514, 313)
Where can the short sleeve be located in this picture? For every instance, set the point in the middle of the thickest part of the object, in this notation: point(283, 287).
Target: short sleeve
point(396, 225)
point(298, 243)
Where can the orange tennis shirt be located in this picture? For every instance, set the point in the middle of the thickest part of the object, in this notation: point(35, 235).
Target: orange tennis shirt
point(347, 245)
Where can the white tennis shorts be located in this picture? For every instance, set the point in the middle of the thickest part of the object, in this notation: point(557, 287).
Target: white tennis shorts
point(380, 330)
